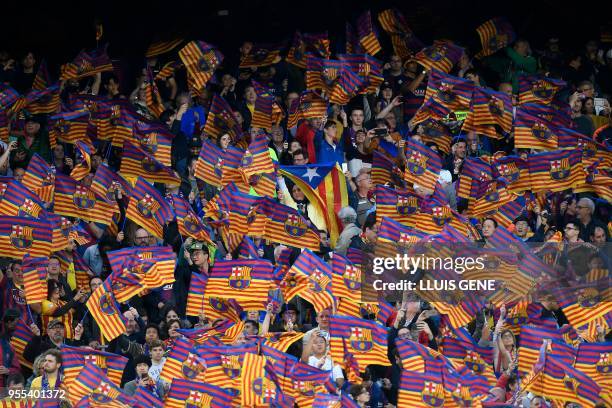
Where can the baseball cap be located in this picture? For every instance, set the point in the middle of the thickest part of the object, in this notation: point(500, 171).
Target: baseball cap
point(198, 246)
point(53, 323)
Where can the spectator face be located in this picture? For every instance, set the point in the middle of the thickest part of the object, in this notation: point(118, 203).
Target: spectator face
point(250, 329)
point(15, 386)
point(472, 141)
point(299, 160)
point(157, 353)
point(132, 325)
point(151, 334)
point(587, 90)
point(391, 120)
point(172, 315)
point(18, 173)
point(360, 138)
point(488, 228)
point(571, 232)
point(522, 48)
point(141, 238)
point(396, 63)
point(297, 194)
point(239, 118)
point(95, 283)
point(227, 80)
point(291, 96)
point(522, 228)
point(460, 150)
point(536, 403)
point(323, 319)
point(29, 61)
point(172, 330)
point(199, 257)
point(372, 233)
point(364, 182)
point(249, 95)
point(253, 315)
point(58, 152)
point(403, 333)
point(364, 396)
point(112, 87)
point(357, 118)
point(295, 145)
point(387, 93)
point(16, 272)
point(290, 316)
point(319, 345)
point(584, 212)
point(571, 207)
point(56, 333)
point(588, 106)
point(53, 269)
point(51, 364)
point(224, 141)
point(507, 338)
point(32, 128)
point(277, 134)
point(142, 369)
point(330, 132)
point(599, 236)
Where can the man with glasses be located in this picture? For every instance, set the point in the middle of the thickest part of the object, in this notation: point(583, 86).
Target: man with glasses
point(572, 232)
point(395, 74)
point(54, 339)
point(587, 224)
point(142, 238)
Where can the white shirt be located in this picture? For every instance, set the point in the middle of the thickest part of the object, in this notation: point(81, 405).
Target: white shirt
point(156, 369)
point(328, 365)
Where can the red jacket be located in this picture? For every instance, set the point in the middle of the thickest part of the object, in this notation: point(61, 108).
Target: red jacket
point(305, 135)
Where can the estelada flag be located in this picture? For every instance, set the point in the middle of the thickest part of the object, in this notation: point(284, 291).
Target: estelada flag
point(556, 170)
point(83, 168)
point(218, 167)
point(221, 120)
point(367, 36)
point(92, 386)
point(69, 127)
point(73, 199)
point(39, 177)
point(162, 47)
point(18, 201)
point(537, 88)
point(366, 340)
point(450, 91)
point(286, 226)
point(148, 208)
point(309, 105)
point(311, 279)
point(423, 165)
point(201, 60)
point(35, 279)
point(75, 358)
point(494, 34)
point(198, 394)
point(137, 162)
point(398, 205)
point(367, 67)
point(491, 107)
point(184, 363)
point(260, 55)
point(86, 64)
point(442, 55)
point(189, 224)
point(105, 310)
point(241, 279)
point(155, 139)
point(106, 183)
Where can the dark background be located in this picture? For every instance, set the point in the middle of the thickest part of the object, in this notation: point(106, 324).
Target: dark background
point(58, 30)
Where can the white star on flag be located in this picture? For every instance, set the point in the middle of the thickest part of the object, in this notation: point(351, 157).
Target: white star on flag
point(311, 173)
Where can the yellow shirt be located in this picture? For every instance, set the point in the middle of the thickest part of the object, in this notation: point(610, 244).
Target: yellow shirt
point(71, 276)
point(37, 382)
point(47, 308)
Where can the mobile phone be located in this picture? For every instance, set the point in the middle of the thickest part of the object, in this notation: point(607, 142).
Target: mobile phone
point(344, 167)
point(381, 132)
point(598, 104)
point(12, 139)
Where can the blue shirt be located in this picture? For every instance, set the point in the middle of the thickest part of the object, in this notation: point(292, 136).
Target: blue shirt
point(327, 152)
point(188, 120)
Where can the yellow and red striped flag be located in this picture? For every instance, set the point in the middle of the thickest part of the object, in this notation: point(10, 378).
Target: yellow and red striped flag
point(366, 340)
point(35, 279)
point(162, 47)
point(73, 199)
point(201, 60)
point(148, 208)
point(105, 310)
point(243, 280)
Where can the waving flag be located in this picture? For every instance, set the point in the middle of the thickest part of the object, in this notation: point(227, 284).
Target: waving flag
point(73, 199)
point(152, 96)
point(324, 185)
point(334, 401)
point(534, 132)
point(536, 88)
point(423, 165)
point(260, 56)
point(256, 159)
point(491, 108)
point(551, 113)
point(395, 237)
point(162, 47)
point(168, 70)
point(75, 358)
point(197, 394)
point(144, 398)
point(92, 384)
point(555, 171)
point(514, 171)
point(21, 235)
point(39, 177)
point(105, 310)
point(434, 215)
point(398, 205)
point(347, 279)
point(106, 183)
point(184, 363)
point(367, 67)
point(201, 60)
point(442, 55)
point(221, 120)
point(18, 201)
point(475, 172)
point(593, 359)
point(421, 390)
point(148, 208)
point(154, 139)
point(402, 39)
point(309, 105)
point(154, 265)
point(136, 162)
point(495, 34)
point(584, 303)
point(20, 339)
point(266, 111)
point(257, 387)
point(226, 363)
point(318, 43)
point(242, 279)
point(83, 168)
point(310, 278)
point(307, 382)
point(366, 340)
point(45, 101)
point(367, 36)
point(86, 64)
point(69, 127)
point(218, 167)
point(297, 51)
point(189, 224)
point(35, 279)
point(334, 77)
point(385, 170)
point(531, 341)
point(452, 92)
point(490, 197)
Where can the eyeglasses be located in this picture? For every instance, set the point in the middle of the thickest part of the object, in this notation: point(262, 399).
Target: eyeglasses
point(581, 206)
point(147, 237)
point(585, 89)
point(569, 228)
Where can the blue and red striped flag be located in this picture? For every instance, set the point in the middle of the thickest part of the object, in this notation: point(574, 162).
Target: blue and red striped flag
point(106, 183)
point(595, 360)
point(20, 338)
point(34, 279)
point(44, 101)
point(347, 279)
point(161, 47)
point(318, 43)
point(450, 91)
point(242, 280)
point(145, 398)
point(154, 265)
point(552, 113)
point(218, 167)
point(70, 127)
point(296, 54)
point(421, 390)
point(261, 55)
point(367, 35)
point(256, 160)
point(21, 235)
point(366, 340)
point(94, 389)
point(491, 107)
point(184, 363)
point(385, 170)
point(395, 237)
point(495, 34)
point(531, 340)
point(137, 162)
point(39, 177)
point(475, 172)
point(537, 88)
point(198, 394)
point(86, 64)
point(556, 170)
point(367, 67)
point(154, 139)
point(18, 201)
point(309, 105)
point(442, 55)
point(148, 208)
point(201, 60)
point(222, 120)
point(73, 199)
point(105, 310)
point(402, 38)
point(514, 171)
point(308, 382)
point(75, 358)
point(398, 205)
point(311, 279)
point(423, 165)
point(82, 168)
point(189, 224)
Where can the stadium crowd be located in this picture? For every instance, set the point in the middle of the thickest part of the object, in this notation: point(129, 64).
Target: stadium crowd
point(204, 237)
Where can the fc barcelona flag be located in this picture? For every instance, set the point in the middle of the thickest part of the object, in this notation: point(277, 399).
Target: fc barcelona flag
point(162, 47)
point(145, 398)
point(154, 265)
point(435, 131)
point(242, 279)
point(318, 43)
point(450, 91)
point(347, 279)
point(148, 208)
point(310, 278)
point(106, 183)
point(490, 197)
point(221, 120)
point(184, 362)
point(421, 390)
point(260, 56)
point(534, 132)
point(366, 340)
point(187, 393)
point(423, 165)
point(385, 170)
point(168, 70)
point(86, 64)
point(531, 341)
point(95, 388)
point(307, 382)
point(309, 105)
point(536, 88)
point(491, 108)
point(39, 177)
point(73, 199)
point(495, 34)
point(42, 79)
point(475, 172)
point(154, 139)
point(256, 159)
point(18, 201)
point(218, 167)
point(69, 127)
point(22, 235)
point(594, 360)
point(105, 310)
point(514, 170)
point(201, 60)
point(334, 401)
point(555, 171)
point(286, 226)
point(258, 387)
point(397, 205)
point(45, 101)
point(585, 303)
point(367, 67)
point(297, 52)
point(402, 38)
point(35, 279)
point(83, 168)
point(367, 36)
point(395, 238)
point(435, 215)
point(442, 55)
point(75, 358)
point(20, 339)
point(554, 113)
point(137, 162)
point(432, 110)
point(189, 224)
point(152, 96)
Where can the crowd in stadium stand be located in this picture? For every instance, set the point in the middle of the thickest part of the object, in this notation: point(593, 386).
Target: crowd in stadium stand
point(206, 237)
